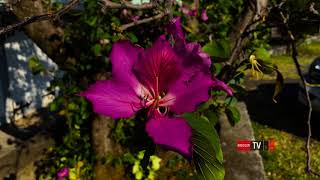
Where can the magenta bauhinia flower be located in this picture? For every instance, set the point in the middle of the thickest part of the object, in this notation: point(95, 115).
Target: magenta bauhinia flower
point(166, 79)
point(204, 15)
point(192, 53)
point(64, 172)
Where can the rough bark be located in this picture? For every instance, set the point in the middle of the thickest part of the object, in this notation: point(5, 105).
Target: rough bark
point(44, 33)
point(104, 146)
point(252, 9)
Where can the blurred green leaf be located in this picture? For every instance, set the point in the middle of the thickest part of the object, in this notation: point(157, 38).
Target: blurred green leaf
point(35, 66)
point(96, 49)
point(92, 21)
point(133, 38)
point(218, 48)
point(233, 115)
point(212, 117)
point(217, 67)
point(231, 101)
point(263, 54)
point(128, 157)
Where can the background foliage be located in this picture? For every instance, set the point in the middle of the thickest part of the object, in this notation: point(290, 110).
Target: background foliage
point(89, 35)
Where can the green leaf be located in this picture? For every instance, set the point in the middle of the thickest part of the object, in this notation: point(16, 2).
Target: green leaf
point(96, 49)
point(218, 48)
point(133, 38)
point(35, 66)
point(128, 157)
point(217, 67)
point(206, 165)
point(203, 126)
point(278, 86)
point(233, 115)
point(92, 21)
point(266, 67)
point(207, 153)
point(204, 106)
point(53, 106)
point(231, 101)
point(263, 54)
point(212, 117)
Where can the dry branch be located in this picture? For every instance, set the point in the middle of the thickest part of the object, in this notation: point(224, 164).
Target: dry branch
point(304, 82)
point(43, 17)
point(124, 4)
point(142, 21)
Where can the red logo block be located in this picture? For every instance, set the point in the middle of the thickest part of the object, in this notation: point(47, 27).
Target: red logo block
point(243, 145)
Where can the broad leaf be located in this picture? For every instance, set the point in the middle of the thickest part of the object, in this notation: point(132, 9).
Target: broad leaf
point(263, 54)
point(231, 101)
point(212, 117)
point(233, 115)
point(206, 164)
point(217, 67)
point(218, 48)
point(207, 153)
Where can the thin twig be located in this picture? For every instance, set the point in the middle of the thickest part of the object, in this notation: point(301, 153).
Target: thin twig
point(304, 82)
point(43, 17)
point(238, 45)
point(124, 4)
point(142, 21)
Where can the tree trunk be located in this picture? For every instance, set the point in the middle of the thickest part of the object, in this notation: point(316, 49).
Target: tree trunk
point(45, 34)
point(247, 17)
point(104, 146)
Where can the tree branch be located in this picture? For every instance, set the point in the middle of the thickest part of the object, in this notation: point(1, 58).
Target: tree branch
point(124, 4)
point(304, 82)
point(43, 17)
point(142, 21)
point(238, 45)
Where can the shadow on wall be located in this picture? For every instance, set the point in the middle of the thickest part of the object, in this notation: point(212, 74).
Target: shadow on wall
point(3, 82)
point(287, 115)
point(24, 92)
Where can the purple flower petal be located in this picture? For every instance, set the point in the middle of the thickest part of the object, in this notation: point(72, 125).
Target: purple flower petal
point(187, 93)
point(123, 56)
point(221, 86)
point(173, 133)
point(158, 67)
point(193, 12)
point(64, 172)
point(204, 15)
point(190, 53)
point(195, 55)
point(113, 98)
point(174, 28)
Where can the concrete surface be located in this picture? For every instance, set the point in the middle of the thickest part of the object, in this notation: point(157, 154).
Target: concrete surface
point(240, 165)
point(20, 88)
point(18, 157)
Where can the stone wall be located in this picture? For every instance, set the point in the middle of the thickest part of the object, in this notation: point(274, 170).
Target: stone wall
point(22, 92)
